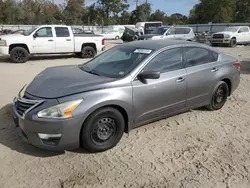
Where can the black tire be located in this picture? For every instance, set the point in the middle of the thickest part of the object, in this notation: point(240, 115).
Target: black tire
point(233, 42)
point(88, 52)
point(102, 130)
point(117, 38)
point(19, 55)
point(219, 96)
point(214, 45)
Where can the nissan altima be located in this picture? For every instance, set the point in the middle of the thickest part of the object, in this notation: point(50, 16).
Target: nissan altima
point(91, 105)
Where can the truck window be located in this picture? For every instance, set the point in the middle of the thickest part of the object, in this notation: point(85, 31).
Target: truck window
point(244, 29)
point(44, 32)
point(62, 32)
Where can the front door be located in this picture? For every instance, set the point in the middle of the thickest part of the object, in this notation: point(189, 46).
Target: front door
point(64, 42)
point(201, 75)
point(42, 41)
point(167, 94)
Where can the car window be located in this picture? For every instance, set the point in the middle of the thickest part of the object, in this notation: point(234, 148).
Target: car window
point(62, 32)
point(44, 32)
point(244, 29)
point(171, 31)
point(166, 61)
point(214, 56)
point(197, 56)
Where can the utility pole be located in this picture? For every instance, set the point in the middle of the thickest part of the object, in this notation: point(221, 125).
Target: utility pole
point(136, 2)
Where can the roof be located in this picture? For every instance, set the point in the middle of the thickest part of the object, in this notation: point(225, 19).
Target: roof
point(156, 44)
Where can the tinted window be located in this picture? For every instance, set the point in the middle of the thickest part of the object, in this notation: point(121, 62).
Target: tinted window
point(116, 62)
point(197, 56)
point(166, 61)
point(149, 27)
point(62, 32)
point(214, 56)
point(44, 32)
point(182, 31)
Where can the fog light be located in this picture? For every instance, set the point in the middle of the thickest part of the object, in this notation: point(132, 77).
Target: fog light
point(49, 136)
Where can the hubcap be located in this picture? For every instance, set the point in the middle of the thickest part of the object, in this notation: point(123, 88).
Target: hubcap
point(19, 55)
point(104, 129)
point(89, 54)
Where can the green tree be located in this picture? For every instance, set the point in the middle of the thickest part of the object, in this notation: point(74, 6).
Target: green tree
point(178, 19)
point(159, 15)
point(124, 18)
point(73, 12)
point(141, 13)
point(242, 13)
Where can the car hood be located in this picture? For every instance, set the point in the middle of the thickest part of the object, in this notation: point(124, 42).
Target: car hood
point(56, 82)
point(14, 37)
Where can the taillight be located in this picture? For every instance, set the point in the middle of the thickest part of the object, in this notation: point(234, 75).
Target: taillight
point(237, 65)
point(102, 41)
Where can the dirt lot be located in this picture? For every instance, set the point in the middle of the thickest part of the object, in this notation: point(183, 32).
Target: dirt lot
point(198, 149)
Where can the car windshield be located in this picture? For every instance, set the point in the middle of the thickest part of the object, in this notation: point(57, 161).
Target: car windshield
point(116, 62)
point(231, 29)
point(160, 30)
point(28, 32)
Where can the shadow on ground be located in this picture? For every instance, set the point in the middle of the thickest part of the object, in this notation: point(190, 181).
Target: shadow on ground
point(10, 138)
point(245, 67)
point(6, 59)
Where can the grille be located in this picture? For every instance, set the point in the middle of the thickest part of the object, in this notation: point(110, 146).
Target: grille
point(218, 36)
point(23, 105)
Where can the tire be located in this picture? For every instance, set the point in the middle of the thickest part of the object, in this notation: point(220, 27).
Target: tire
point(221, 90)
point(117, 38)
point(233, 42)
point(88, 52)
point(102, 130)
point(19, 55)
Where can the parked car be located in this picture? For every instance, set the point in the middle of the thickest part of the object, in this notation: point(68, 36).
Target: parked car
point(147, 27)
point(81, 31)
point(167, 32)
point(49, 39)
point(232, 36)
point(112, 35)
point(130, 34)
point(91, 105)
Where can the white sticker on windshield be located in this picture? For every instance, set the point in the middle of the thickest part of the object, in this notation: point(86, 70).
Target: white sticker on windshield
point(143, 51)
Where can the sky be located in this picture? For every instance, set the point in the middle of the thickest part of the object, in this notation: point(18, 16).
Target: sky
point(168, 6)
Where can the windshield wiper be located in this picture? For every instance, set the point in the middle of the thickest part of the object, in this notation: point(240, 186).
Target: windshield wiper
point(88, 70)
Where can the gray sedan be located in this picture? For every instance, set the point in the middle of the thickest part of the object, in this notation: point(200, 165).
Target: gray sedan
point(91, 105)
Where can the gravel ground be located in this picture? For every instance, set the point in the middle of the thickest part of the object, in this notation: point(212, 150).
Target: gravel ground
point(197, 149)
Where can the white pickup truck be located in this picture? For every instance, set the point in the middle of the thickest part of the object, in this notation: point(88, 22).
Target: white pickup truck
point(50, 39)
point(232, 36)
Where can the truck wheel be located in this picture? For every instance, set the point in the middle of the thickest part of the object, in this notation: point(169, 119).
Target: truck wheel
point(88, 52)
point(102, 130)
point(19, 55)
point(233, 42)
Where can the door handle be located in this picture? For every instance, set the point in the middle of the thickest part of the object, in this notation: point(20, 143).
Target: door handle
point(179, 80)
point(68, 39)
point(214, 70)
point(50, 40)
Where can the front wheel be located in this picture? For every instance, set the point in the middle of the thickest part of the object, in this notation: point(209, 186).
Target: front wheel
point(102, 130)
point(219, 96)
point(19, 55)
point(233, 42)
point(88, 52)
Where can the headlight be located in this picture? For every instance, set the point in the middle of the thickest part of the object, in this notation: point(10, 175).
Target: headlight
point(227, 36)
point(60, 111)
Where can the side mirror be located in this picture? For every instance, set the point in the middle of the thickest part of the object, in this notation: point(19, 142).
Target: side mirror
point(35, 35)
point(240, 31)
point(149, 75)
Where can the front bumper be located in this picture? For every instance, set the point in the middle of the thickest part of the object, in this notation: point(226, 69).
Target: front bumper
point(29, 128)
point(4, 50)
point(220, 41)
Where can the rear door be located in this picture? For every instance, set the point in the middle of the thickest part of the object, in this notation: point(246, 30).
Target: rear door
point(64, 40)
point(246, 34)
point(43, 41)
point(201, 68)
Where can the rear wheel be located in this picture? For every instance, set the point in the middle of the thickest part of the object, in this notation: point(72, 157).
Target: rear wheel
point(233, 42)
point(219, 96)
point(88, 52)
point(102, 130)
point(19, 55)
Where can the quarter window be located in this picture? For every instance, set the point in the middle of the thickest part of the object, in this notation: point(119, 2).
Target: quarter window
point(62, 32)
point(44, 32)
point(197, 56)
point(166, 61)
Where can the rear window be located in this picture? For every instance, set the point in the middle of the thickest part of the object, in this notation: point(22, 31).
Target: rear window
point(214, 56)
point(62, 32)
